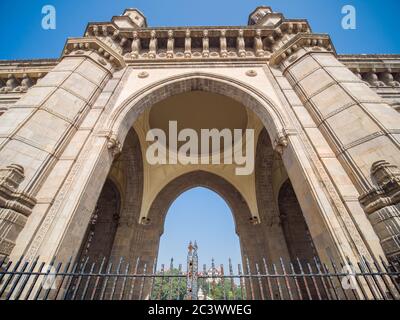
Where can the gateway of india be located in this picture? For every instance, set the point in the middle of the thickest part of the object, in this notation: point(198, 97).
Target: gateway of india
point(74, 180)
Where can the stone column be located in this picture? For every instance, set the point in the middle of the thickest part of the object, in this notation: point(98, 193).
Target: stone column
point(36, 130)
point(359, 126)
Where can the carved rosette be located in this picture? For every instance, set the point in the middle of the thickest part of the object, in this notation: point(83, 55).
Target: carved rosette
point(382, 205)
point(15, 207)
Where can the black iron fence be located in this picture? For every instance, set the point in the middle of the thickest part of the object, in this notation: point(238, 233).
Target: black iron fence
point(123, 280)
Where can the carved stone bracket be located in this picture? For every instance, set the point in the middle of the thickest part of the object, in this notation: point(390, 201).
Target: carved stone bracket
point(382, 205)
point(114, 146)
point(307, 41)
point(280, 142)
point(83, 46)
point(15, 207)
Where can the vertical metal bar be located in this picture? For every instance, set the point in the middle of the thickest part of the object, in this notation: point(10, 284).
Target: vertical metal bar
point(374, 277)
point(34, 280)
point(287, 281)
point(134, 279)
point(45, 278)
point(171, 270)
point(242, 283)
point(89, 277)
point(314, 281)
point(260, 286)
point(116, 278)
point(178, 295)
point(153, 279)
point(394, 279)
point(223, 280)
point(388, 285)
point(15, 282)
point(66, 268)
point(160, 293)
point(205, 271)
point(296, 281)
point(26, 278)
point(304, 279)
point(70, 278)
point(143, 281)
point(339, 280)
point(250, 278)
point(322, 277)
point(105, 281)
point(232, 280)
point(123, 286)
point(330, 280)
point(368, 281)
point(78, 284)
point(11, 275)
point(268, 276)
point(357, 276)
point(5, 272)
point(278, 283)
point(50, 287)
point(212, 278)
point(98, 277)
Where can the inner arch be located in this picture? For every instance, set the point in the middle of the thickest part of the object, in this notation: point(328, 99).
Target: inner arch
point(203, 215)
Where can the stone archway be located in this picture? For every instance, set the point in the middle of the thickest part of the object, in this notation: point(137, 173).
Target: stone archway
point(105, 143)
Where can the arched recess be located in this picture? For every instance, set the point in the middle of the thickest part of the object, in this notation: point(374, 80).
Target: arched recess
point(150, 234)
point(100, 234)
point(97, 158)
point(298, 239)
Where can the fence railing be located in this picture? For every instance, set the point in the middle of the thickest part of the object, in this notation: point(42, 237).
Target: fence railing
point(124, 280)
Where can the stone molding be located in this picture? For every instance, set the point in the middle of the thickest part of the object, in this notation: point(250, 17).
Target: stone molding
point(309, 42)
point(83, 46)
point(381, 204)
point(387, 189)
point(15, 207)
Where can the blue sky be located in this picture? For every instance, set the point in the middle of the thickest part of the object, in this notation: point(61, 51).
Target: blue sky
point(199, 213)
point(23, 37)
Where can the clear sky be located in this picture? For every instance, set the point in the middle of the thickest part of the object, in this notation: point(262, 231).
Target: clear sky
point(23, 38)
point(199, 213)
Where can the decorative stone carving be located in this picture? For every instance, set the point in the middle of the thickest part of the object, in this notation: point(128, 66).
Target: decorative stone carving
point(206, 44)
point(135, 45)
point(170, 44)
point(258, 44)
point(372, 79)
point(280, 143)
point(114, 146)
point(188, 44)
point(382, 205)
point(251, 73)
point(83, 46)
point(11, 84)
point(143, 74)
point(153, 45)
point(240, 44)
point(223, 46)
point(302, 40)
point(15, 207)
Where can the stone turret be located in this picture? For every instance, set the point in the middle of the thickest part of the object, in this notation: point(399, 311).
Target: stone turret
point(263, 16)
